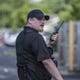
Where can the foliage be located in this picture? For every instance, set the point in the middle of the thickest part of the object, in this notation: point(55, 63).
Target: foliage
point(13, 13)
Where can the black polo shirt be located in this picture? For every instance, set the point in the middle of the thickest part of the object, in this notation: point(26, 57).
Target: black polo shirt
point(31, 50)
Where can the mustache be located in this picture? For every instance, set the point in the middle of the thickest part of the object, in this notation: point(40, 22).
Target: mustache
point(42, 24)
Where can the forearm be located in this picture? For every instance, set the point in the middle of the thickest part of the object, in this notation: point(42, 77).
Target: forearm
point(50, 66)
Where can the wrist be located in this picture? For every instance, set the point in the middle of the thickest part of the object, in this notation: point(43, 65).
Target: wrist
point(50, 50)
point(50, 45)
point(60, 78)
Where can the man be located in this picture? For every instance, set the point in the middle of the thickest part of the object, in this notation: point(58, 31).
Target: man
point(33, 56)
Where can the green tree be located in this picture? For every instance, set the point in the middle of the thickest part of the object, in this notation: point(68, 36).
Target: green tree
point(5, 11)
point(76, 9)
point(13, 13)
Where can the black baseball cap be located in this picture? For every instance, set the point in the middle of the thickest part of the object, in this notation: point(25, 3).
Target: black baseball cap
point(36, 13)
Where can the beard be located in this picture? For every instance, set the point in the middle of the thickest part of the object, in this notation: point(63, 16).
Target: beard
point(40, 29)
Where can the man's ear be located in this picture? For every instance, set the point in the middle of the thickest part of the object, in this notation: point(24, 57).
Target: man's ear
point(30, 20)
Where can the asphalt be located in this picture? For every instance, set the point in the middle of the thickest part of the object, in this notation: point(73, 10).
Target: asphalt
point(8, 69)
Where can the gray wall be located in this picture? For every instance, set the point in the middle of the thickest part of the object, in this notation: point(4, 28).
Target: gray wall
point(63, 45)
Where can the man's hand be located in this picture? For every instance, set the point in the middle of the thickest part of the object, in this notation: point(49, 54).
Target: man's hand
point(52, 40)
point(52, 69)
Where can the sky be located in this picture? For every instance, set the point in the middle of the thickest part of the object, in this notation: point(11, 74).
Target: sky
point(36, 0)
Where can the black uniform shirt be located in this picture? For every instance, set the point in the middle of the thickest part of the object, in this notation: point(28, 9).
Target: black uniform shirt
point(31, 50)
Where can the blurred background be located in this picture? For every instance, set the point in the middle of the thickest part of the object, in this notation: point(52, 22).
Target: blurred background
point(13, 14)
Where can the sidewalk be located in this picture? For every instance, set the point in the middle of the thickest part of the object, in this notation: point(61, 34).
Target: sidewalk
point(67, 73)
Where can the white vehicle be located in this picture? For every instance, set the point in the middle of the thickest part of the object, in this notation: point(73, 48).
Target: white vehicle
point(9, 37)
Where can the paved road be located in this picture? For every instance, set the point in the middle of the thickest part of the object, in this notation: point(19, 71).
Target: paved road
point(8, 65)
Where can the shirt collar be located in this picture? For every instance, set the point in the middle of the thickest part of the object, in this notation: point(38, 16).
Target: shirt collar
point(30, 28)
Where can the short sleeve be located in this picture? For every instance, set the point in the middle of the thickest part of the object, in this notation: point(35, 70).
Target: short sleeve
point(40, 48)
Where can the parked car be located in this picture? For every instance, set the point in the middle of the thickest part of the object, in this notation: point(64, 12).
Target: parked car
point(1, 39)
point(9, 37)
